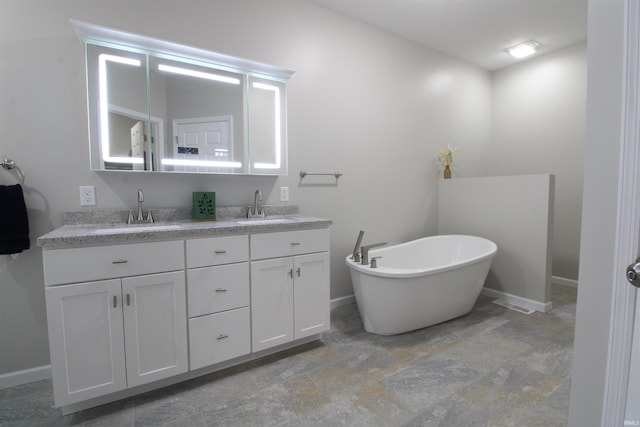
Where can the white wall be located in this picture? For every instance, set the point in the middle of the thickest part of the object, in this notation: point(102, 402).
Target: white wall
point(538, 127)
point(363, 102)
point(516, 213)
point(605, 95)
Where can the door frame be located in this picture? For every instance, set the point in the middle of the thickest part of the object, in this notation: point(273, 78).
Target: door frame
point(158, 146)
point(627, 230)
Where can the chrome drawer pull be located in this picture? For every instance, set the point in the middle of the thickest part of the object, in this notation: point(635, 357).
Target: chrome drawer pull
point(221, 290)
point(295, 243)
point(222, 336)
point(219, 252)
point(120, 261)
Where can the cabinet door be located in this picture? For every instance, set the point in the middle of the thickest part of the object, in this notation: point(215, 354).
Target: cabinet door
point(271, 303)
point(311, 294)
point(155, 321)
point(86, 340)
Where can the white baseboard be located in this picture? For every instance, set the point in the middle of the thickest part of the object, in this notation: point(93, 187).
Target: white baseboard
point(520, 301)
point(337, 302)
point(563, 281)
point(26, 376)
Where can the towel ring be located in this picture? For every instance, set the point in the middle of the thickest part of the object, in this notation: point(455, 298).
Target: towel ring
point(9, 164)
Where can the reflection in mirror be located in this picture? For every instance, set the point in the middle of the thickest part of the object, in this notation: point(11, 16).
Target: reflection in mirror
point(162, 107)
point(204, 109)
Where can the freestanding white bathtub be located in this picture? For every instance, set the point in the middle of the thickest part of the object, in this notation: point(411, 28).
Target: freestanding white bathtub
point(421, 282)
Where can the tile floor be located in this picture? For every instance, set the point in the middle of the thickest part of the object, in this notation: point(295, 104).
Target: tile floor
point(492, 367)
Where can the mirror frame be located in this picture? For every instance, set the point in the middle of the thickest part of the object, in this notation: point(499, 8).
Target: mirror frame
point(253, 71)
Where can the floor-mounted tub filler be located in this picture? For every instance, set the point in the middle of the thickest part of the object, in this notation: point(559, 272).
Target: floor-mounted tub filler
point(420, 283)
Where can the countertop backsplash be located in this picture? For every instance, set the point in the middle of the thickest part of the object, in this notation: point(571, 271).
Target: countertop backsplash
point(119, 216)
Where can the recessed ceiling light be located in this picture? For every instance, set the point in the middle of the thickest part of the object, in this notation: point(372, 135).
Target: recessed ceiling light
point(523, 49)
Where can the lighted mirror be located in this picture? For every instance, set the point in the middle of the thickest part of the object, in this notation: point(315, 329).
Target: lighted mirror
point(156, 106)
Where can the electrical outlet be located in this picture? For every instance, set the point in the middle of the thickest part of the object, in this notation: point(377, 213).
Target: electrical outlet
point(87, 195)
point(284, 194)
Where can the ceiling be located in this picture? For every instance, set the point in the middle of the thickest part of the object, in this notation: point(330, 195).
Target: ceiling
point(476, 31)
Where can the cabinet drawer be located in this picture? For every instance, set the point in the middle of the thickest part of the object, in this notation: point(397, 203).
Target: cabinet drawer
point(217, 250)
point(286, 243)
point(214, 289)
point(106, 262)
point(219, 337)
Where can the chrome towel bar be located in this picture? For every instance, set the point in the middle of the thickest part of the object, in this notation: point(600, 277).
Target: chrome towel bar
point(335, 174)
point(10, 164)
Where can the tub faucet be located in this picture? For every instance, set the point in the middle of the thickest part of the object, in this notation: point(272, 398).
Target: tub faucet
point(356, 255)
point(364, 250)
point(258, 212)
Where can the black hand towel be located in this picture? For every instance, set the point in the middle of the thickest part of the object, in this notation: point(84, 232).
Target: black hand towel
point(14, 224)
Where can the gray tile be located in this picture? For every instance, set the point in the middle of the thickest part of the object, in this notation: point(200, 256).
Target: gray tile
point(168, 404)
point(450, 413)
point(362, 364)
point(28, 404)
point(369, 406)
point(195, 420)
point(493, 366)
point(485, 352)
point(428, 381)
point(280, 403)
point(120, 413)
point(540, 331)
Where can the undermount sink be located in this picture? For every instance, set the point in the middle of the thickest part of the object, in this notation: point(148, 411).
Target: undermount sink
point(138, 228)
point(258, 221)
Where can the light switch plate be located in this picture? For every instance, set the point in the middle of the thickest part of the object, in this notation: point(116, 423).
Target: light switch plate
point(87, 195)
point(284, 194)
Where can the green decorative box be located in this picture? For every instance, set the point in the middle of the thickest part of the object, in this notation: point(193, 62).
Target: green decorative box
point(204, 205)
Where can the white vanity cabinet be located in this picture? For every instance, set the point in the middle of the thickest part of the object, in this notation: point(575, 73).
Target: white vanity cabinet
point(109, 335)
point(125, 318)
point(218, 288)
point(289, 286)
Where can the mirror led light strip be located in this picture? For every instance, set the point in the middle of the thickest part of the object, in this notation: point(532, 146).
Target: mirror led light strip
point(198, 74)
point(278, 134)
point(202, 163)
point(104, 107)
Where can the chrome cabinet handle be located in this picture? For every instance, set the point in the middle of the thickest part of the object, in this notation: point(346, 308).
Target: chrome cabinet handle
point(128, 300)
point(298, 271)
point(219, 252)
point(120, 261)
point(291, 273)
point(221, 290)
point(115, 301)
point(222, 336)
point(295, 243)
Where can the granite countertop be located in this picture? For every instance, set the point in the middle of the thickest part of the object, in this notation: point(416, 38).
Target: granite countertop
point(91, 234)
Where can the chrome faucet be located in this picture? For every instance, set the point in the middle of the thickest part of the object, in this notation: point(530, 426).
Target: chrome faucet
point(139, 216)
point(258, 212)
point(364, 250)
point(140, 200)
